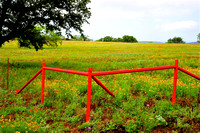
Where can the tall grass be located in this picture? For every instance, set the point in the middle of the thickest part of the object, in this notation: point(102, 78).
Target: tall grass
point(142, 101)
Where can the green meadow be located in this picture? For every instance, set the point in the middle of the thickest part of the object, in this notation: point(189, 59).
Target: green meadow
point(142, 101)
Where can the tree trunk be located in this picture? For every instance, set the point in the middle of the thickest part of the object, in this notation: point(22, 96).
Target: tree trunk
point(12, 35)
point(2, 41)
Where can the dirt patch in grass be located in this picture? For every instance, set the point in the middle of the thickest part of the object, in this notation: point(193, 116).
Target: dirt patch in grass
point(185, 101)
point(162, 130)
point(98, 103)
point(50, 122)
point(11, 117)
point(27, 97)
point(196, 127)
point(2, 85)
point(135, 94)
point(120, 129)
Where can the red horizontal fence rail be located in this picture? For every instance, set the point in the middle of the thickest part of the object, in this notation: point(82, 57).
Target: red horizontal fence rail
point(91, 75)
point(132, 70)
point(66, 71)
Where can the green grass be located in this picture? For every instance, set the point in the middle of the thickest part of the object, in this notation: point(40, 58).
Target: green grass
point(142, 102)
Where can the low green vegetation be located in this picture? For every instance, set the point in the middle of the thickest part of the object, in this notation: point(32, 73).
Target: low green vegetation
point(142, 101)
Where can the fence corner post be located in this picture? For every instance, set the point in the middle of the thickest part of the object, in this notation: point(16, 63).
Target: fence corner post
point(43, 81)
point(89, 94)
point(175, 82)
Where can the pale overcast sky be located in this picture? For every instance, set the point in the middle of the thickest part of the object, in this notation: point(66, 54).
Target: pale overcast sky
point(147, 20)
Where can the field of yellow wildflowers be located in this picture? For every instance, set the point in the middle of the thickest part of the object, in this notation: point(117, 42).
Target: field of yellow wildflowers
point(142, 101)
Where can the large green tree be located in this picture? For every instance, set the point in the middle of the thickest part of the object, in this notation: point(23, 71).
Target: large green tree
point(19, 17)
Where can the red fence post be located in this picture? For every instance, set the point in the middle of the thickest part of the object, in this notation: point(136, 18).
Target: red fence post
point(7, 73)
point(89, 94)
point(175, 82)
point(43, 81)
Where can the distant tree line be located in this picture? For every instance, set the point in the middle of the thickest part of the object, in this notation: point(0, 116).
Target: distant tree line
point(81, 38)
point(198, 38)
point(125, 38)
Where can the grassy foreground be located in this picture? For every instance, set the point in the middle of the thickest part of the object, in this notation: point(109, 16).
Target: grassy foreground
point(142, 102)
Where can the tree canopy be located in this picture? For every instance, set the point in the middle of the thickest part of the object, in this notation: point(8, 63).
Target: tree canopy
point(127, 38)
point(175, 40)
point(38, 36)
point(19, 17)
point(198, 38)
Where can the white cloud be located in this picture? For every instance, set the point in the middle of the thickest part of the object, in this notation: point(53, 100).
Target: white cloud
point(150, 3)
point(182, 25)
point(116, 14)
point(136, 9)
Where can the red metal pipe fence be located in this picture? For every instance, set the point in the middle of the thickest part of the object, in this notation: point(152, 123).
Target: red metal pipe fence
point(91, 75)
